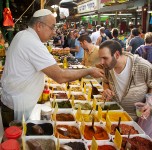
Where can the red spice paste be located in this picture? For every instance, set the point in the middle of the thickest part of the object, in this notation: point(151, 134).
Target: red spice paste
point(99, 134)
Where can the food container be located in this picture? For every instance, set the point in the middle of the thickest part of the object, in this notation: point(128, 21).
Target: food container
point(72, 131)
point(99, 132)
point(11, 144)
point(59, 95)
point(103, 145)
point(142, 141)
point(43, 142)
point(80, 96)
point(62, 104)
point(114, 116)
point(65, 113)
point(43, 128)
point(75, 144)
point(86, 116)
point(110, 106)
point(132, 124)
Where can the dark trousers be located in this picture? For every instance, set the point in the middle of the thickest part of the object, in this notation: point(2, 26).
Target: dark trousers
point(7, 115)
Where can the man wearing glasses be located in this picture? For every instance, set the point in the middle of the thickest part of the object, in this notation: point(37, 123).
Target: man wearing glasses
point(27, 61)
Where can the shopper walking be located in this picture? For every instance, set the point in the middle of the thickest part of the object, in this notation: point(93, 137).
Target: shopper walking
point(135, 42)
point(145, 51)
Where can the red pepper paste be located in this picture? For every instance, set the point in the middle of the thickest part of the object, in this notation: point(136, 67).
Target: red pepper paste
point(99, 133)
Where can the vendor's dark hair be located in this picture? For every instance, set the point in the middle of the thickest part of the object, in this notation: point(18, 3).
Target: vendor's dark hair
point(34, 20)
point(84, 37)
point(112, 45)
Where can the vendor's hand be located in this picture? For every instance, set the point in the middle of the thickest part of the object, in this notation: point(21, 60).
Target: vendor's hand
point(96, 72)
point(107, 94)
point(146, 112)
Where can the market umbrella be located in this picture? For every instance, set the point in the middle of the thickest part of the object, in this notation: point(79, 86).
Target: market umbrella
point(67, 3)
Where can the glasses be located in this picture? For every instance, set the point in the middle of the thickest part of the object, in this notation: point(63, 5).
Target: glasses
point(51, 28)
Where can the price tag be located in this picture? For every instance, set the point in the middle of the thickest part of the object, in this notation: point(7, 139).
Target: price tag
point(55, 111)
point(78, 114)
point(99, 112)
point(108, 124)
point(94, 145)
point(89, 93)
point(82, 127)
point(118, 139)
point(58, 143)
point(72, 102)
point(69, 93)
point(23, 142)
point(53, 103)
point(94, 104)
point(24, 125)
point(81, 83)
point(84, 89)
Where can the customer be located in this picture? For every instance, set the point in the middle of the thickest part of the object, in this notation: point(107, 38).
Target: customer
point(135, 42)
point(27, 61)
point(127, 77)
point(94, 36)
point(115, 34)
point(103, 37)
point(91, 56)
point(145, 51)
point(79, 51)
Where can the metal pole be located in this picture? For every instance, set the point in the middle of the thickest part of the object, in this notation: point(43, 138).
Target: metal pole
point(148, 17)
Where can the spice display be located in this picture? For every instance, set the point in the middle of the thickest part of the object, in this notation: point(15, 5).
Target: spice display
point(99, 133)
point(60, 95)
point(124, 129)
point(46, 127)
point(76, 89)
point(64, 117)
point(84, 106)
point(57, 88)
point(114, 116)
point(79, 97)
point(75, 145)
point(64, 104)
point(137, 143)
point(40, 144)
point(71, 133)
point(109, 107)
point(87, 118)
point(104, 147)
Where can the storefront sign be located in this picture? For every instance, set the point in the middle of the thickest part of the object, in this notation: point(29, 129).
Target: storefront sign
point(86, 7)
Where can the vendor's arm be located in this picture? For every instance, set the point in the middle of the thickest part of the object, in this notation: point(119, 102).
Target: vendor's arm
point(62, 76)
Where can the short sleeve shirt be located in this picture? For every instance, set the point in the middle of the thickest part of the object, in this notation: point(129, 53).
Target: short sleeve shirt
point(26, 57)
point(79, 54)
point(135, 43)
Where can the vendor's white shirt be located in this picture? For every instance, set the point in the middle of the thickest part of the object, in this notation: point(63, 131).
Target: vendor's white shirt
point(22, 79)
point(123, 79)
point(94, 36)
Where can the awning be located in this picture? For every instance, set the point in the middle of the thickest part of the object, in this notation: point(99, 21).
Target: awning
point(67, 3)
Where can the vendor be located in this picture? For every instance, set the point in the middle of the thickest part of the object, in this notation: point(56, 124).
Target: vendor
point(27, 61)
